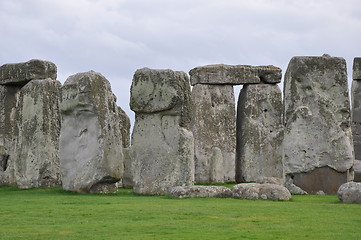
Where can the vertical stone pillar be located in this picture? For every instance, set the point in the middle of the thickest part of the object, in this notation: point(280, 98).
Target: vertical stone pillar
point(162, 147)
point(356, 116)
point(92, 135)
point(259, 132)
point(214, 128)
point(37, 163)
point(318, 149)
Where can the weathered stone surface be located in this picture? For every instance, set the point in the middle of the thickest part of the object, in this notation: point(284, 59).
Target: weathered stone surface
point(9, 98)
point(161, 90)
point(270, 180)
point(162, 150)
point(357, 171)
point(261, 191)
point(317, 122)
point(350, 192)
point(21, 73)
point(235, 74)
point(201, 191)
point(356, 75)
point(127, 180)
point(356, 117)
point(91, 144)
point(259, 132)
point(4, 163)
point(214, 130)
point(293, 188)
point(36, 162)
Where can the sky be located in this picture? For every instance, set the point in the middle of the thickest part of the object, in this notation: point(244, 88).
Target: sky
point(117, 37)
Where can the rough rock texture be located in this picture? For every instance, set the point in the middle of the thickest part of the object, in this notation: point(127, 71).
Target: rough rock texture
point(293, 188)
point(356, 75)
point(356, 117)
point(261, 191)
point(91, 142)
point(214, 130)
point(21, 73)
point(201, 191)
point(36, 162)
point(271, 180)
point(350, 192)
point(318, 149)
point(127, 181)
point(357, 171)
point(162, 150)
point(235, 74)
point(259, 132)
point(9, 98)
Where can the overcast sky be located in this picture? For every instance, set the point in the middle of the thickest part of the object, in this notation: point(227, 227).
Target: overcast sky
point(116, 37)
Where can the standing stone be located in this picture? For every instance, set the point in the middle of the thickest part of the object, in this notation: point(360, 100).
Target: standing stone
point(318, 149)
point(259, 132)
point(12, 78)
point(356, 117)
point(36, 163)
point(162, 150)
point(214, 130)
point(91, 144)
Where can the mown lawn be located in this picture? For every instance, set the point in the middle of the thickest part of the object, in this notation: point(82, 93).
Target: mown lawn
point(58, 214)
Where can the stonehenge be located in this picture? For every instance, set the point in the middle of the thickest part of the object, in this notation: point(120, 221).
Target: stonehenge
point(162, 148)
point(187, 130)
point(91, 138)
point(318, 149)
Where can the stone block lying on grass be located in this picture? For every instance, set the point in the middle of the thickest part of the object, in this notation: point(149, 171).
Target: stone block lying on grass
point(201, 191)
point(261, 191)
point(350, 192)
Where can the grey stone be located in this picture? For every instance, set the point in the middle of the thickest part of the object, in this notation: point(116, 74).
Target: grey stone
point(235, 74)
point(214, 127)
point(356, 117)
point(261, 191)
point(318, 136)
point(201, 191)
point(36, 162)
point(91, 144)
point(259, 132)
point(293, 188)
point(9, 99)
point(127, 180)
point(159, 91)
point(271, 180)
point(356, 75)
point(357, 171)
point(21, 73)
point(350, 192)
point(162, 150)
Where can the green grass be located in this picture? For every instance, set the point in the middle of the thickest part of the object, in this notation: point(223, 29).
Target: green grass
point(57, 214)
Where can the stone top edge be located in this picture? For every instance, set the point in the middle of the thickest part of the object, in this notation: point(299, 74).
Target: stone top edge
point(225, 66)
point(72, 79)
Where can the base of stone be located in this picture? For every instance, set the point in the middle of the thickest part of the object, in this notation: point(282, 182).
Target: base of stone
point(323, 179)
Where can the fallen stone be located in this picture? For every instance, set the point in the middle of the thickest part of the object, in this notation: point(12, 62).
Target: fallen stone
point(91, 138)
point(201, 191)
point(162, 150)
point(270, 180)
point(21, 73)
point(356, 74)
point(254, 191)
point(214, 130)
point(293, 188)
point(318, 149)
point(259, 132)
point(235, 74)
point(357, 171)
point(350, 192)
point(36, 162)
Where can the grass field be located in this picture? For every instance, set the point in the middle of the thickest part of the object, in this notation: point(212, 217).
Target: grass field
point(57, 214)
